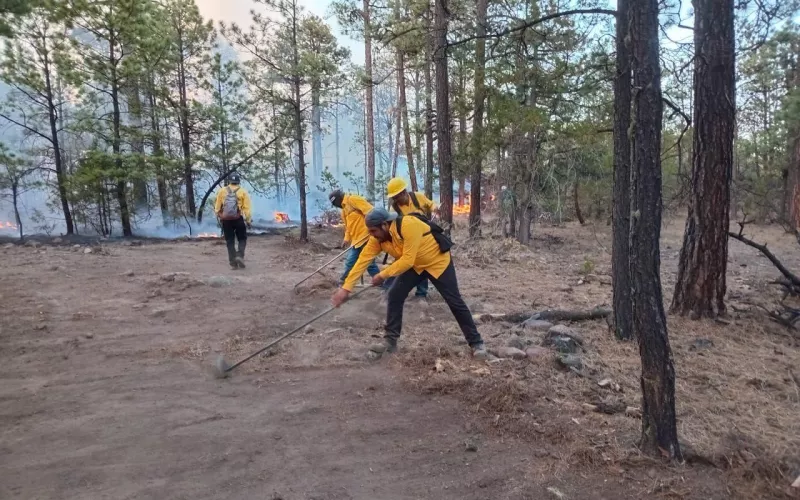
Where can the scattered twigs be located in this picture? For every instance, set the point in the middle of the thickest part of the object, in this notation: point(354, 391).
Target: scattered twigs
point(549, 315)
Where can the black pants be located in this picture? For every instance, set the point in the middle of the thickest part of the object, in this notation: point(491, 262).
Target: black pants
point(235, 230)
point(447, 284)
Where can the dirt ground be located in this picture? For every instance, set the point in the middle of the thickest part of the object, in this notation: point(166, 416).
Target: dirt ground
point(106, 394)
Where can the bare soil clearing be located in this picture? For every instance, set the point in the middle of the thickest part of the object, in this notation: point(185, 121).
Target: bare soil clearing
point(105, 392)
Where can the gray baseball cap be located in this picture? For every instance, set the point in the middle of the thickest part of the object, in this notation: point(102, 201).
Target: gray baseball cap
point(378, 216)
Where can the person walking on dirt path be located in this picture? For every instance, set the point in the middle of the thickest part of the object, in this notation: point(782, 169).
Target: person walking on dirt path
point(406, 202)
point(233, 208)
point(421, 250)
point(354, 209)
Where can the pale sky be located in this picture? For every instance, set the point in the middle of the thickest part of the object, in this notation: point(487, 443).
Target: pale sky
point(238, 11)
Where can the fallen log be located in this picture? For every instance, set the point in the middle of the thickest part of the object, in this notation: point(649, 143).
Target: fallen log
point(548, 315)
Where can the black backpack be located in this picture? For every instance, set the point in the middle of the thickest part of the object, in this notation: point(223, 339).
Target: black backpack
point(444, 242)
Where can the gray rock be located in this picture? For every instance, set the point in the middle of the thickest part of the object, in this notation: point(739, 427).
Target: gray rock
point(701, 344)
point(32, 244)
point(308, 329)
point(54, 268)
point(88, 335)
point(56, 241)
point(570, 361)
point(508, 352)
point(563, 339)
point(87, 251)
point(219, 281)
point(128, 273)
point(536, 353)
point(537, 325)
point(518, 342)
point(158, 313)
point(470, 445)
point(76, 246)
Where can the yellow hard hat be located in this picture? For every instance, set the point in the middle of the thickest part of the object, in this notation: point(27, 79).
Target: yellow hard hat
point(395, 187)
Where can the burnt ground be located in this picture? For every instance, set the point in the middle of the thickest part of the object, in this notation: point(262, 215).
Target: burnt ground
point(105, 390)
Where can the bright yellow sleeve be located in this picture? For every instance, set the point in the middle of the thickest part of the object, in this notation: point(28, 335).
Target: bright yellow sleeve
point(426, 204)
point(346, 227)
point(360, 204)
point(369, 252)
point(246, 206)
point(219, 200)
point(412, 238)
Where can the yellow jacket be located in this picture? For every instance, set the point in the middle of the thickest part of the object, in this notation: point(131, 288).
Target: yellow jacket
point(243, 199)
point(354, 210)
point(413, 251)
point(426, 206)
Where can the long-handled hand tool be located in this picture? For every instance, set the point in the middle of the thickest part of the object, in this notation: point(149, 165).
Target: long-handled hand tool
point(222, 369)
point(323, 266)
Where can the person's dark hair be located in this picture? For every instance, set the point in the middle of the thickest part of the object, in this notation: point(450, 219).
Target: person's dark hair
point(336, 197)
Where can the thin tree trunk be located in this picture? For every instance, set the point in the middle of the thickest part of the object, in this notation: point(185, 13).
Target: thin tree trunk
point(368, 104)
point(158, 153)
point(659, 430)
point(477, 120)
point(443, 137)
point(429, 109)
point(298, 124)
point(621, 211)
point(700, 288)
point(135, 114)
point(401, 81)
point(418, 133)
point(792, 190)
point(57, 156)
point(183, 122)
point(15, 202)
point(316, 132)
point(576, 199)
point(116, 143)
point(336, 126)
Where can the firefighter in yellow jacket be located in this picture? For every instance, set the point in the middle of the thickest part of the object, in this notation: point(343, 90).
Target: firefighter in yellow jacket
point(354, 210)
point(418, 255)
point(406, 202)
point(233, 209)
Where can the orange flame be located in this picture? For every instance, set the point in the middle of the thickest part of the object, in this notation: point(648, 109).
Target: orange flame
point(281, 217)
point(463, 209)
point(8, 225)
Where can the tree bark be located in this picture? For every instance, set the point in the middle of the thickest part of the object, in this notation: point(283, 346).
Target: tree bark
point(477, 120)
point(298, 125)
point(429, 108)
point(368, 104)
point(418, 132)
point(443, 137)
point(116, 145)
point(792, 190)
point(57, 156)
point(401, 82)
point(659, 429)
point(316, 132)
point(158, 153)
point(700, 288)
point(576, 200)
point(621, 211)
point(183, 123)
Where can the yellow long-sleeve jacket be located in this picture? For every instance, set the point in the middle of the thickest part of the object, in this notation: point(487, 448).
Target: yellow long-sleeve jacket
point(426, 206)
point(243, 199)
point(354, 210)
point(416, 250)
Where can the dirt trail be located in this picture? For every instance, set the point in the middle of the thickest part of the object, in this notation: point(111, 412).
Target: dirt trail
point(104, 395)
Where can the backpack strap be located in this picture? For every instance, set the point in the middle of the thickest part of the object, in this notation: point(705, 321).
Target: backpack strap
point(414, 200)
point(419, 217)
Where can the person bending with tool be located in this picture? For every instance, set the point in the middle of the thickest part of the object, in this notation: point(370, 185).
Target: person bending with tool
point(421, 250)
point(233, 209)
point(354, 209)
point(409, 202)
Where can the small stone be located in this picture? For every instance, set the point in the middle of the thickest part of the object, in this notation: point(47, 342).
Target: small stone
point(537, 325)
point(567, 331)
point(517, 342)
point(308, 329)
point(570, 361)
point(508, 352)
point(219, 281)
point(701, 344)
point(605, 280)
point(76, 246)
point(470, 445)
point(128, 273)
point(87, 251)
point(54, 268)
point(158, 313)
point(56, 241)
point(536, 352)
point(88, 335)
point(563, 339)
point(32, 244)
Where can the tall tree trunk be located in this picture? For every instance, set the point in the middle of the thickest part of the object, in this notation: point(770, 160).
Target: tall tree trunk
point(298, 126)
point(443, 137)
point(368, 104)
point(316, 132)
point(429, 106)
point(659, 429)
point(477, 120)
point(418, 132)
point(57, 156)
point(700, 289)
point(135, 113)
point(621, 211)
point(158, 153)
point(336, 126)
point(186, 144)
point(401, 82)
point(792, 189)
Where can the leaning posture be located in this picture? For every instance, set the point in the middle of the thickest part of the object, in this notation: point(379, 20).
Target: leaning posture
point(420, 251)
point(233, 209)
point(354, 209)
point(409, 202)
